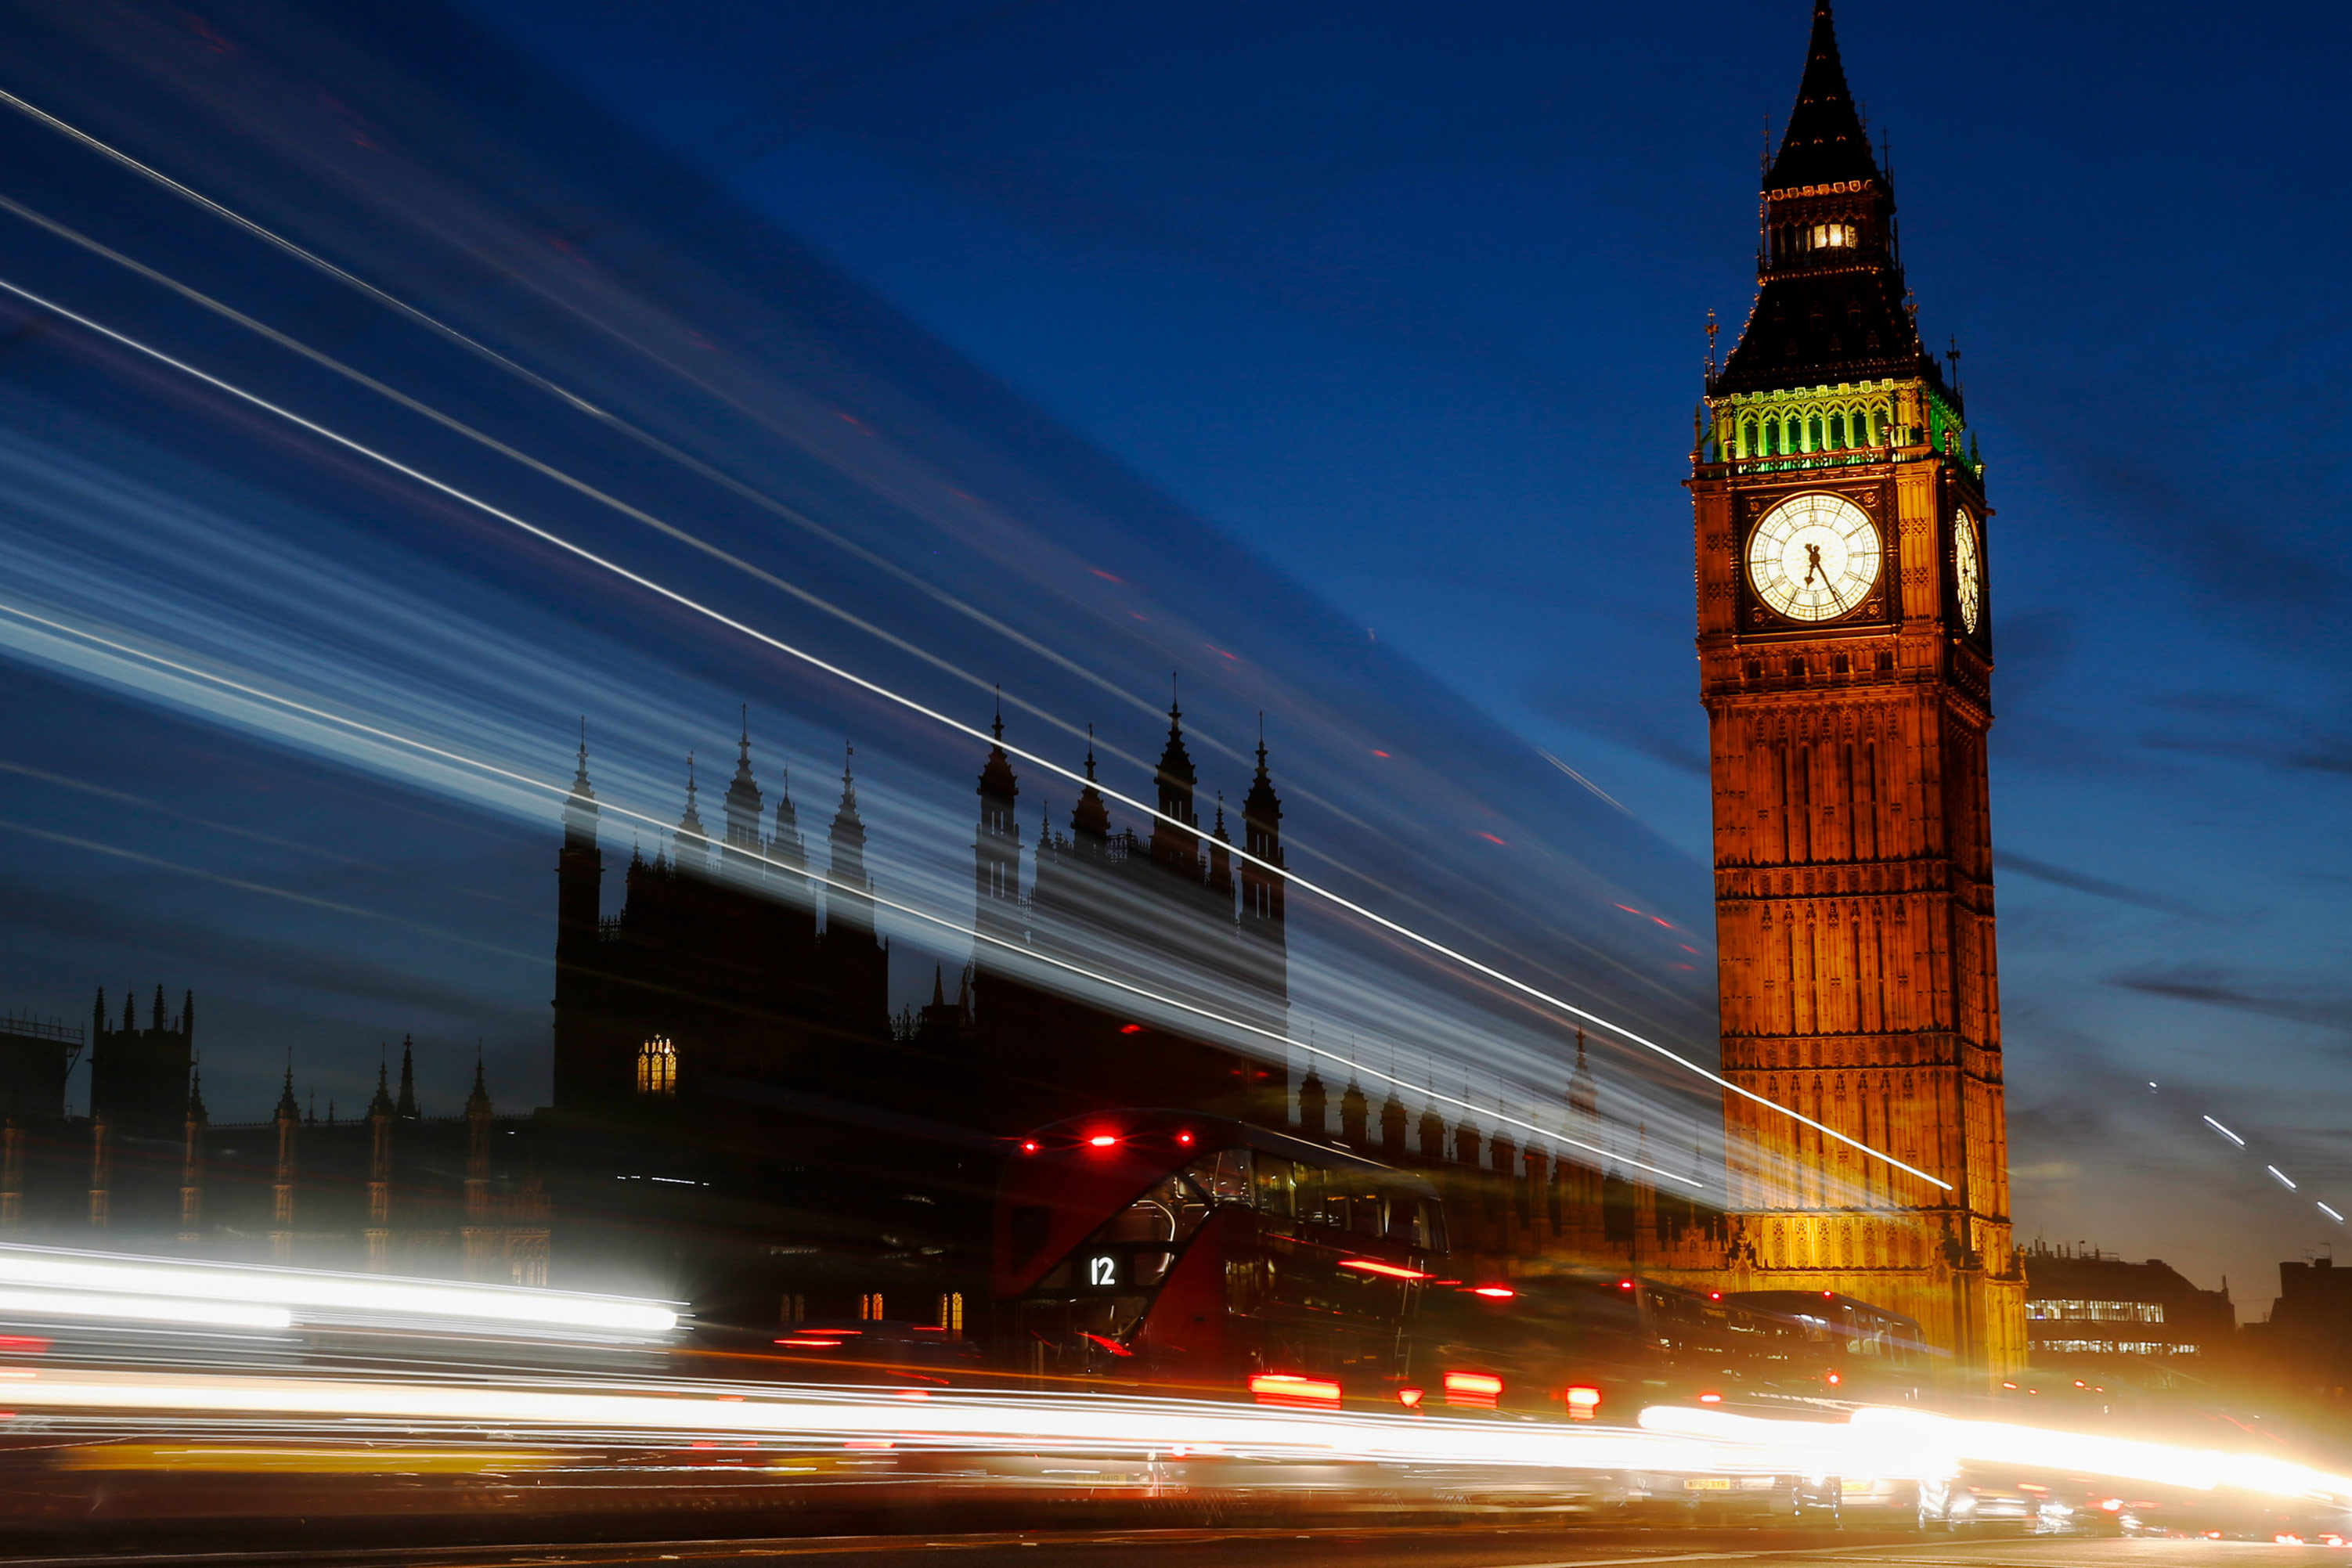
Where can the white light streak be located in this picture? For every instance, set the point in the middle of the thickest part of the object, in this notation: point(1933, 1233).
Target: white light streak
point(973, 732)
point(2225, 1132)
point(146, 1309)
point(281, 1294)
point(2331, 1213)
point(2285, 1180)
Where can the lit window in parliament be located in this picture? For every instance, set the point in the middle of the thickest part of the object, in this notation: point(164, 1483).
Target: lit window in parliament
point(658, 1066)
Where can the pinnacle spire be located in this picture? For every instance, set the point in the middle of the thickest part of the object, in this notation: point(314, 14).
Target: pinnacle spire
point(1825, 143)
point(406, 1110)
point(743, 803)
point(689, 825)
point(1090, 818)
point(381, 1104)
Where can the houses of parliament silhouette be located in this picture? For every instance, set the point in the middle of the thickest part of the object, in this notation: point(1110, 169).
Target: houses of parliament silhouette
point(738, 1119)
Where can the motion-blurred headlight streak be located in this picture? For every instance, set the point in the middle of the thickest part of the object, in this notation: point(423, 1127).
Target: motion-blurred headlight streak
point(141, 1309)
point(974, 732)
point(2225, 1132)
point(1104, 1424)
point(272, 1298)
point(2075, 1453)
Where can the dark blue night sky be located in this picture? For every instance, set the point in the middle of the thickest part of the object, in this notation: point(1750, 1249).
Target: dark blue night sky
point(1342, 357)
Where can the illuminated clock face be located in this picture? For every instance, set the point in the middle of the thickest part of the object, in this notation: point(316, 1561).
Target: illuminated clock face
point(1814, 557)
point(1967, 571)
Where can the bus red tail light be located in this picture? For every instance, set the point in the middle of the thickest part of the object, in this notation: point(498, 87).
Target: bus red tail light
point(1281, 1388)
point(1387, 1270)
point(1494, 1292)
point(1474, 1390)
point(1411, 1398)
point(1102, 1141)
point(1583, 1403)
point(1029, 1146)
point(1710, 1398)
point(1836, 1380)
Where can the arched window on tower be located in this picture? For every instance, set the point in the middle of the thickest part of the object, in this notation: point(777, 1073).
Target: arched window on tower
point(1813, 434)
point(658, 1066)
point(1747, 439)
point(1837, 429)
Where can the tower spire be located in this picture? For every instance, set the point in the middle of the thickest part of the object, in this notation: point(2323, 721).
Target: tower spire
point(1830, 310)
point(1824, 143)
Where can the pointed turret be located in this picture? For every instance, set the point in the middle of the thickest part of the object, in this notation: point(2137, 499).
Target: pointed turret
point(477, 1104)
point(580, 806)
point(846, 901)
point(743, 803)
point(996, 844)
point(1090, 818)
point(1268, 966)
point(97, 1017)
point(580, 1070)
point(406, 1109)
point(1314, 1107)
point(1355, 1112)
point(130, 1010)
point(289, 1108)
point(381, 1104)
point(1175, 836)
point(689, 844)
point(1583, 1103)
point(162, 1019)
point(1262, 836)
point(196, 1094)
point(785, 848)
point(1392, 1126)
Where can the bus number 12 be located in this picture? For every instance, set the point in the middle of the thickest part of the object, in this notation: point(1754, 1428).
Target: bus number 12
point(1102, 1270)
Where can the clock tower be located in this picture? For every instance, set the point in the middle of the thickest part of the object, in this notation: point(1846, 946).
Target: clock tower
point(1846, 663)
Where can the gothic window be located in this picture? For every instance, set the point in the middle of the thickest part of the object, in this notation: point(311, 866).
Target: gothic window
point(1813, 434)
point(658, 1066)
point(1837, 429)
point(1747, 439)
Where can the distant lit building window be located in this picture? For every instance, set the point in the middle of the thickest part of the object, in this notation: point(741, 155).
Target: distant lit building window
point(658, 1066)
point(794, 1309)
point(2111, 1347)
point(952, 1313)
point(869, 1306)
point(2095, 1311)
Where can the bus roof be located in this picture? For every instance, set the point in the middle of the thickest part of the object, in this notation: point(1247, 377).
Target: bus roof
point(1214, 1132)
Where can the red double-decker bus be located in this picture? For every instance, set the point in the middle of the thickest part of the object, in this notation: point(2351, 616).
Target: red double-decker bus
point(1199, 1253)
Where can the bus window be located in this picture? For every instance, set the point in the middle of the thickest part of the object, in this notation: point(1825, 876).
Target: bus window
point(1276, 1187)
point(1171, 1211)
point(1369, 1217)
point(1224, 1176)
point(1314, 1206)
